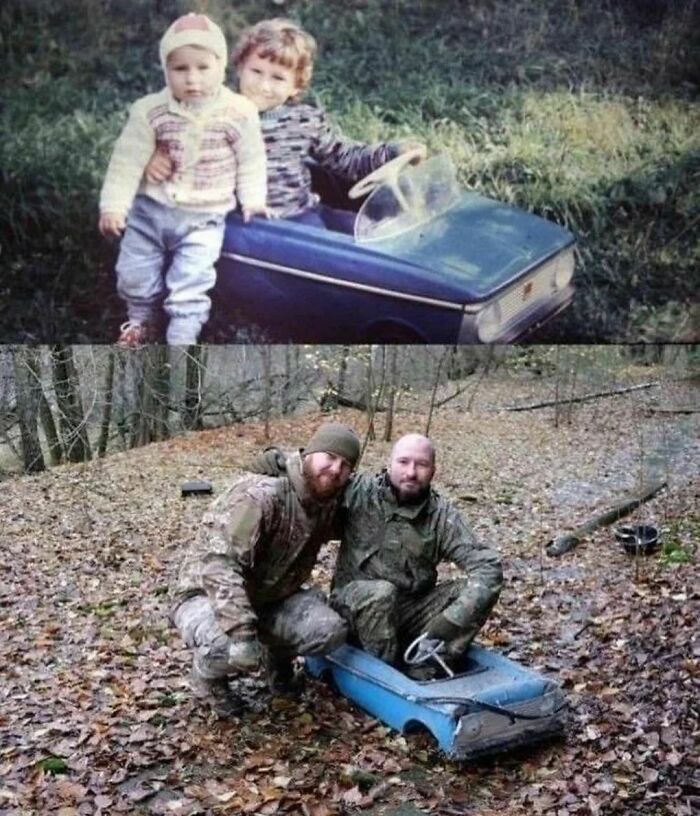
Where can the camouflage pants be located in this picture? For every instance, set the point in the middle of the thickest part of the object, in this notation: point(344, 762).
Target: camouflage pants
point(302, 624)
point(384, 621)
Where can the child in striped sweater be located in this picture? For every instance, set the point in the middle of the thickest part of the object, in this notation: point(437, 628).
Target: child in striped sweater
point(172, 232)
point(274, 62)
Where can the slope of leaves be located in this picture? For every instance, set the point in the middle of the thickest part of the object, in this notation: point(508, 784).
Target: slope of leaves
point(96, 716)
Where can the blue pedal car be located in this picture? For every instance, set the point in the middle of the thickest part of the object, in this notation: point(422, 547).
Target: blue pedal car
point(425, 263)
point(490, 705)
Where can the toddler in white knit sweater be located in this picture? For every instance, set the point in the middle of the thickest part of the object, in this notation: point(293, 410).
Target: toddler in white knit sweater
point(172, 232)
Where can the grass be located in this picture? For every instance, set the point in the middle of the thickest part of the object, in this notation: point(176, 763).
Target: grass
point(584, 112)
point(678, 547)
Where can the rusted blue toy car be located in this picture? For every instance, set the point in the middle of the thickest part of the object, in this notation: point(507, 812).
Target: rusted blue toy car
point(425, 263)
point(491, 704)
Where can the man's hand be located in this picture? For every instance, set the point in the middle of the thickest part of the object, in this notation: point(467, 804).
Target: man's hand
point(406, 145)
point(112, 225)
point(249, 212)
point(271, 462)
point(442, 629)
point(159, 168)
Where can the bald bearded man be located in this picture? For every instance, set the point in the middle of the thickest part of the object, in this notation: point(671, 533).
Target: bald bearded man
point(396, 530)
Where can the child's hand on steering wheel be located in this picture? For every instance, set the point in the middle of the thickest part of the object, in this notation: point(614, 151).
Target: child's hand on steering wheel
point(409, 145)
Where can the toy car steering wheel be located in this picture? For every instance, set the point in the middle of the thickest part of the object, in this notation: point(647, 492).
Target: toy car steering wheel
point(418, 653)
point(386, 174)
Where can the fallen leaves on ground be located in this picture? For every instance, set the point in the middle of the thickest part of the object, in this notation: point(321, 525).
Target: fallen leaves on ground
point(97, 718)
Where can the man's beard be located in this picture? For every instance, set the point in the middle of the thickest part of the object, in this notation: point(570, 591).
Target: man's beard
point(417, 496)
point(322, 486)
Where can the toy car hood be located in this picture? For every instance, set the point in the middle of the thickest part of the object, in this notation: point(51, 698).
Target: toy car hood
point(424, 218)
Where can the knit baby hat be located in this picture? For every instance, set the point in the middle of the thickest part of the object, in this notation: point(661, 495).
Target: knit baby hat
point(194, 29)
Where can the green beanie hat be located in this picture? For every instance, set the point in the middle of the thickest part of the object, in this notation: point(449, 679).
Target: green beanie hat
point(332, 437)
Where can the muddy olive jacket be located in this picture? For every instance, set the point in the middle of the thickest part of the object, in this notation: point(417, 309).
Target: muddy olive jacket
point(403, 544)
point(258, 544)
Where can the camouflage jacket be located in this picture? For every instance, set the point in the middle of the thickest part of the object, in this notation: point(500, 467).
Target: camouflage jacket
point(258, 544)
point(403, 544)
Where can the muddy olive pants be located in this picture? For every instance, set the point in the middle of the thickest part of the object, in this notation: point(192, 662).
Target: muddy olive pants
point(384, 621)
point(302, 624)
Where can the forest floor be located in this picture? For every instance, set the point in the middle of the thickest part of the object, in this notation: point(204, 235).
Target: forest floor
point(96, 716)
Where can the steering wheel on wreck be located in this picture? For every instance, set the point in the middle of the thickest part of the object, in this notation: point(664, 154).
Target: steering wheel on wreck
point(387, 174)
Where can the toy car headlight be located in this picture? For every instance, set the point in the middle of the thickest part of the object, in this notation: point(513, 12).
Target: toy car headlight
point(562, 271)
point(488, 322)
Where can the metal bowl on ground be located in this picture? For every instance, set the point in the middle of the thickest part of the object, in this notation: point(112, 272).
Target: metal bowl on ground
point(638, 538)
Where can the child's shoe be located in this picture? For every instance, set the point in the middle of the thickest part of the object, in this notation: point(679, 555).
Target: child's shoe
point(134, 335)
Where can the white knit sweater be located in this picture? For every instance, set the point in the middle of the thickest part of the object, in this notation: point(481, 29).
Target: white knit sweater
point(217, 153)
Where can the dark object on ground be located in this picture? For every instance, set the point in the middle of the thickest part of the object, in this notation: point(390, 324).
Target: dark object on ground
point(638, 538)
point(569, 541)
point(491, 705)
point(197, 487)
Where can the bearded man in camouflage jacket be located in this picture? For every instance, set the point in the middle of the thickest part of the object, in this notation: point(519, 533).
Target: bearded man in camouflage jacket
point(395, 530)
point(240, 590)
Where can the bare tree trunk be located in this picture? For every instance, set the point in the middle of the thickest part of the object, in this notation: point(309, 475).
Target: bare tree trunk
point(195, 370)
point(108, 402)
point(391, 393)
point(28, 396)
point(291, 366)
point(152, 396)
point(161, 391)
point(374, 393)
point(48, 424)
point(266, 353)
point(444, 354)
point(121, 408)
point(572, 390)
point(343, 370)
point(333, 395)
point(485, 368)
point(66, 383)
point(557, 384)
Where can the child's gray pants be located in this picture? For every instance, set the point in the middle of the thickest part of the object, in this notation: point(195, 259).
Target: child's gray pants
point(172, 251)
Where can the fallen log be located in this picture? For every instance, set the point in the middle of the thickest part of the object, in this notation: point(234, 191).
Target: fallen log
point(583, 398)
point(681, 410)
point(562, 544)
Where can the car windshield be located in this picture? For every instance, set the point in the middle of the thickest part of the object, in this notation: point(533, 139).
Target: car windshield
point(413, 198)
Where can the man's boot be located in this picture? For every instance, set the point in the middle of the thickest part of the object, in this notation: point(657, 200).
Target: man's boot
point(217, 694)
point(281, 677)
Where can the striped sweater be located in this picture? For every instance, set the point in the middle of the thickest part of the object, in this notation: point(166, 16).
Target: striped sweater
point(296, 132)
point(217, 153)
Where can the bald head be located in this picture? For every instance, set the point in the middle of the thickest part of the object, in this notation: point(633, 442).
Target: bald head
point(414, 442)
point(412, 467)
